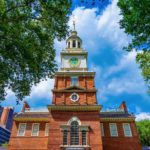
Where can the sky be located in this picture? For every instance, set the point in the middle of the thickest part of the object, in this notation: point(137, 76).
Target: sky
point(118, 77)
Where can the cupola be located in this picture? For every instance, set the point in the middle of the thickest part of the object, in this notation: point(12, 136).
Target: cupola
point(74, 41)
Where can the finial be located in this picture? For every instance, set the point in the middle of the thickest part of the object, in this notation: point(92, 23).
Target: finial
point(73, 23)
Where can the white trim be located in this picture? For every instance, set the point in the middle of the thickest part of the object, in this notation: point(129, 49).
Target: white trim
point(102, 129)
point(128, 130)
point(38, 129)
point(19, 129)
point(46, 128)
point(74, 119)
point(116, 130)
point(73, 99)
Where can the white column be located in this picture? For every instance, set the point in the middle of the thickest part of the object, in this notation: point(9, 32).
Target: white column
point(76, 44)
point(70, 43)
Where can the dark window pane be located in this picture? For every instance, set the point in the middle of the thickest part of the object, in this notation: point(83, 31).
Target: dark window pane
point(74, 43)
point(65, 137)
point(68, 44)
point(78, 44)
point(74, 133)
point(83, 137)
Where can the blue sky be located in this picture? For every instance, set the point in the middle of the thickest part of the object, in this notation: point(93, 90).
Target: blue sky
point(118, 77)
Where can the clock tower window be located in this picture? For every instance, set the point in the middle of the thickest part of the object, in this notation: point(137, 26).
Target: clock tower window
point(74, 81)
point(78, 44)
point(68, 44)
point(74, 43)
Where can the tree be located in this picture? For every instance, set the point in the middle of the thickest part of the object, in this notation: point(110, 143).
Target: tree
point(27, 32)
point(136, 22)
point(143, 128)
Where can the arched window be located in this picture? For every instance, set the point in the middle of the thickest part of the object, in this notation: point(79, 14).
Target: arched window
point(78, 44)
point(74, 43)
point(68, 44)
point(74, 133)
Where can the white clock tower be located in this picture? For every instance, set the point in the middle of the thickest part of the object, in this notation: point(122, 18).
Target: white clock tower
point(74, 58)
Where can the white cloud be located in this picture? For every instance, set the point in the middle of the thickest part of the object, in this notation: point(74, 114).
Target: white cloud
point(98, 31)
point(142, 116)
point(101, 29)
point(129, 81)
point(126, 62)
point(59, 46)
point(109, 28)
point(41, 93)
point(43, 89)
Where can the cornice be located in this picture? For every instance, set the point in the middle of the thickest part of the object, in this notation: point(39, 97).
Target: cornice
point(74, 107)
point(73, 90)
point(31, 119)
point(117, 119)
point(74, 69)
point(69, 73)
point(112, 112)
point(74, 52)
point(30, 112)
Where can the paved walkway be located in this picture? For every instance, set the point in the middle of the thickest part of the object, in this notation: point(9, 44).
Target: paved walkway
point(2, 148)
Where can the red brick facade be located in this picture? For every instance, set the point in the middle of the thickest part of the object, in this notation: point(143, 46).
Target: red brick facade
point(121, 142)
point(61, 118)
point(74, 117)
point(27, 141)
point(63, 89)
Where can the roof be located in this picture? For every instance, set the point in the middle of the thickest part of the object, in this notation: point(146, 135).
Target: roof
point(145, 148)
point(115, 115)
point(32, 117)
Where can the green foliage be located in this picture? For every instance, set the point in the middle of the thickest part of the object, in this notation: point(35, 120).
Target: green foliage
point(5, 145)
point(27, 32)
point(143, 128)
point(144, 61)
point(136, 22)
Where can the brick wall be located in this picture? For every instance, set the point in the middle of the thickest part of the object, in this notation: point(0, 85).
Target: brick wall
point(86, 118)
point(84, 81)
point(60, 98)
point(120, 142)
point(27, 141)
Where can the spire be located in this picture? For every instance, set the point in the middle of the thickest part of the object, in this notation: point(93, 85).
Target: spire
point(74, 25)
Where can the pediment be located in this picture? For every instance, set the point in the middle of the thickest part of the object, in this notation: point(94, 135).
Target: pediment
point(74, 88)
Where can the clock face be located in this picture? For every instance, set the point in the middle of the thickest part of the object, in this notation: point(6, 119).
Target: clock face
point(74, 62)
point(74, 97)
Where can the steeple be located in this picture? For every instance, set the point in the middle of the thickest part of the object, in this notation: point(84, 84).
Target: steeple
point(74, 24)
point(74, 58)
point(74, 42)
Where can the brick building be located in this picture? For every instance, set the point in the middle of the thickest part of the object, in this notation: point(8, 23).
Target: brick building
point(6, 119)
point(74, 120)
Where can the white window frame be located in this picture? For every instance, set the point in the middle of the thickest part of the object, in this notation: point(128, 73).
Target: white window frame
point(102, 129)
point(128, 130)
point(38, 129)
point(115, 129)
point(19, 129)
point(47, 129)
